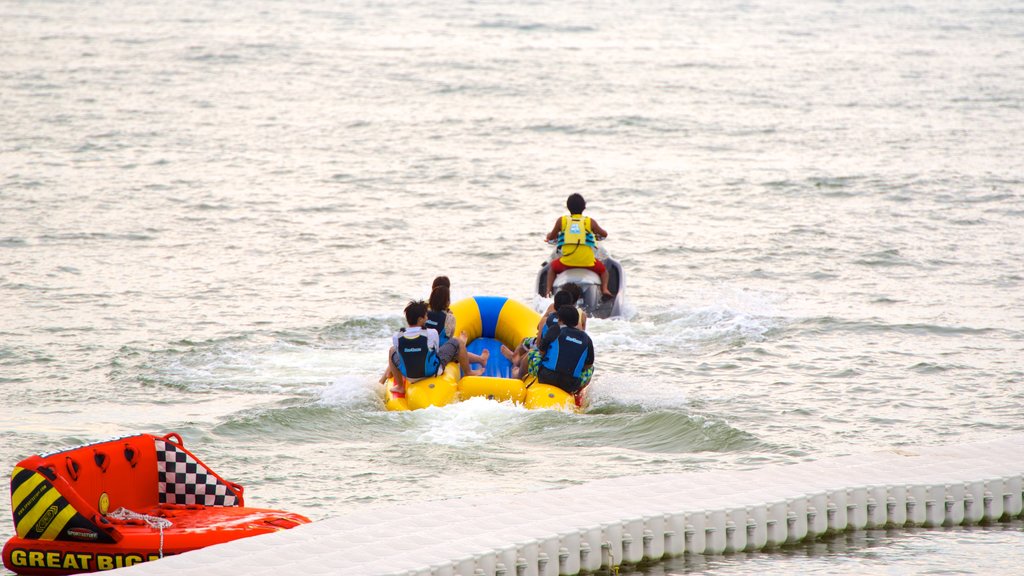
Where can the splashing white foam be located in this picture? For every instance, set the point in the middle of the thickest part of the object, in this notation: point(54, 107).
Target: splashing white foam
point(351, 391)
point(275, 367)
point(731, 316)
point(472, 421)
point(648, 394)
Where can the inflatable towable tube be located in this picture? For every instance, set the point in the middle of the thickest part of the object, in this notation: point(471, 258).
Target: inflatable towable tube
point(489, 322)
point(123, 501)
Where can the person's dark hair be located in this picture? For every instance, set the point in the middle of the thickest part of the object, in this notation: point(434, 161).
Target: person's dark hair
point(441, 281)
point(563, 298)
point(440, 298)
point(414, 311)
point(568, 315)
point(575, 290)
point(576, 204)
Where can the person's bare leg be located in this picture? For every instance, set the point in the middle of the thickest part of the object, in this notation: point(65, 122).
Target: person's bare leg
point(551, 281)
point(604, 285)
point(517, 359)
point(508, 354)
point(387, 371)
point(399, 386)
point(463, 356)
point(464, 362)
point(522, 369)
point(478, 358)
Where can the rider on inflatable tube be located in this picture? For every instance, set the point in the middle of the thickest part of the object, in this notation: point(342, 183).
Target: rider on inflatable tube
point(565, 356)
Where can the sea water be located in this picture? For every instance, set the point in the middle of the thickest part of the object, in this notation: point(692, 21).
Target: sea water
point(212, 214)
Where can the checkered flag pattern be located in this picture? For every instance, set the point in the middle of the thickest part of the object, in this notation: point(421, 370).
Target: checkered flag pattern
point(183, 480)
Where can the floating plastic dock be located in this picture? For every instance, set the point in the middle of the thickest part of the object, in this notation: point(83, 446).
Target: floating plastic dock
point(627, 520)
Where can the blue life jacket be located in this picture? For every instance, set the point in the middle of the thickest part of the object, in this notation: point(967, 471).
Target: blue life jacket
point(418, 360)
point(566, 357)
point(437, 320)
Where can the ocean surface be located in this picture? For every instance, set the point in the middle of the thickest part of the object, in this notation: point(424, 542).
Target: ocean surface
point(212, 214)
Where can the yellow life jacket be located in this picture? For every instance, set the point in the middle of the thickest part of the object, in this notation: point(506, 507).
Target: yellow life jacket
point(577, 241)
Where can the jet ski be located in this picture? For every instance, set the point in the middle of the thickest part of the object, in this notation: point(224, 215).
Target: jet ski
point(590, 284)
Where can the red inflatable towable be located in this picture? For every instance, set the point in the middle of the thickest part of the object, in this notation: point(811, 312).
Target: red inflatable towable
point(124, 501)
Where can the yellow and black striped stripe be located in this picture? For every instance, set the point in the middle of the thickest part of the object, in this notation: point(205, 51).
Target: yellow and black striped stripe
point(40, 511)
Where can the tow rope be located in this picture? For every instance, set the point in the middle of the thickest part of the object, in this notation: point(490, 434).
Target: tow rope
point(153, 522)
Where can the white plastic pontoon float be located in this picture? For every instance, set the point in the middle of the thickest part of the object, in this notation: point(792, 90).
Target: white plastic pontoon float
point(626, 520)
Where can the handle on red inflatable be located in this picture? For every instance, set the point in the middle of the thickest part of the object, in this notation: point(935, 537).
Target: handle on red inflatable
point(72, 467)
point(173, 438)
point(101, 460)
point(48, 472)
point(108, 526)
point(237, 488)
point(131, 455)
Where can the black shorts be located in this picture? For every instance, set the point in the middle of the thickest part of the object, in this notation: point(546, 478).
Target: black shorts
point(563, 381)
point(448, 352)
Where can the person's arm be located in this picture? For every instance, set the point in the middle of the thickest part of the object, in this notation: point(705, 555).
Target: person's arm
point(583, 320)
point(553, 235)
point(597, 230)
point(544, 319)
point(449, 324)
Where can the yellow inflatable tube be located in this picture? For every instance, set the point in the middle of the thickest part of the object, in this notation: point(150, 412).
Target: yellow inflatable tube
point(489, 322)
point(437, 391)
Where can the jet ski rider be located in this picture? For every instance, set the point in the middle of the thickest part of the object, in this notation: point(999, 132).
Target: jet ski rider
point(576, 236)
